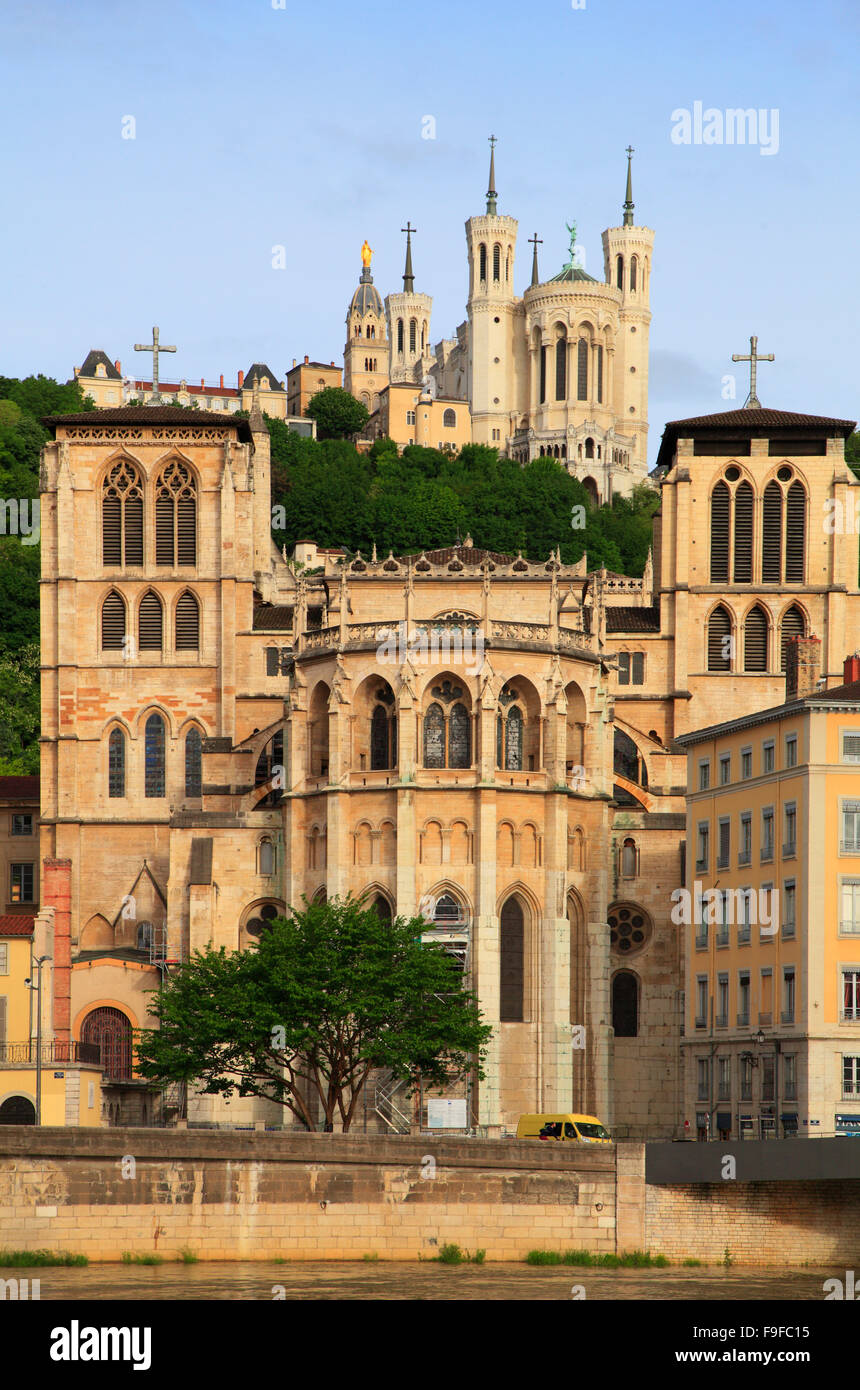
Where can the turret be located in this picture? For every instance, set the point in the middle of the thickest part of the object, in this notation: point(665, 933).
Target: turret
point(365, 355)
point(627, 252)
point(408, 316)
point(491, 239)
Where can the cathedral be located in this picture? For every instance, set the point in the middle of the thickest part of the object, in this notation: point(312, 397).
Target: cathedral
point(227, 729)
point(561, 371)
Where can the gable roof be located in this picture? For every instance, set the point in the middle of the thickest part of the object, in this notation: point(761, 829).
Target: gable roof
point(749, 423)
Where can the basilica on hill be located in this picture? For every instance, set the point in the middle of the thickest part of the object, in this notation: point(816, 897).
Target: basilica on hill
point(227, 728)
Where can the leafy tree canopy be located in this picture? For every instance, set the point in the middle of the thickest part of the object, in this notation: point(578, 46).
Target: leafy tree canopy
point(331, 993)
point(337, 413)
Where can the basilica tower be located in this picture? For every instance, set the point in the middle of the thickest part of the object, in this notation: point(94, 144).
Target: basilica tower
point(365, 355)
point(491, 240)
point(409, 325)
point(627, 252)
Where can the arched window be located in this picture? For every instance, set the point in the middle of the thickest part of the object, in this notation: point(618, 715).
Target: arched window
point(629, 858)
point(719, 640)
point(383, 737)
point(270, 760)
point(111, 1031)
point(449, 419)
point(625, 1004)
point(509, 739)
point(508, 264)
point(600, 372)
point(382, 908)
point(589, 448)
point(265, 858)
point(511, 962)
point(561, 369)
point(755, 640)
point(720, 506)
point(542, 383)
point(771, 534)
point(497, 262)
point(193, 763)
point(795, 534)
point(743, 533)
point(482, 262)
point(793, 625)
point(447, 735)
point(17, 1110)
point(413, 335)
point(154, 756)
point(113, 622)
point(175, 516)
point(116, 763)
point(122, 515)
point(582, 370)
point(619, 272)
point(628, 761)
point(265, 917)
point(400, 335)
point(634, 266)
point(149, 623)
point(187, 623)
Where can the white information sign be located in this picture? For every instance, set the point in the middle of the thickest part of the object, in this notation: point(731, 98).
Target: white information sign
point(446, 1114)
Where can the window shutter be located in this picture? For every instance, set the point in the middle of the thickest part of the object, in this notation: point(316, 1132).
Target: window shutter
point(720, 534)
point(164, 530)
point(771, 535)
point(187, 624)
point(511, 973)
point(113, 623)
point(743, 533)
point(851, 748)
point(186, 530)
point(755, 641)
point(112, 531)
point(134, 530)
point(272, 663)
point(795, 534)
point(719, 628)
point(150, 623)
point(793, 625)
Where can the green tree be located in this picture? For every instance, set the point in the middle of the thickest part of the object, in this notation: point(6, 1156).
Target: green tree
point(329, 994)
point(19, 711)
point(337, 413)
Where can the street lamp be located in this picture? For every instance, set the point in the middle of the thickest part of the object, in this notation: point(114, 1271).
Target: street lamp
point(39, 962)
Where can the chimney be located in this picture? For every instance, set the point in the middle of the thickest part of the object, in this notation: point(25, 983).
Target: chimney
point(118, 366)
point(306, 359)
point(851, 669)
point(802, 666)
point(201, 383)
point(241, 379)
point(222, 381)
point(294, 361)
point(332, 364)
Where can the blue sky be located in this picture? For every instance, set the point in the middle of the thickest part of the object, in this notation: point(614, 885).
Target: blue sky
point(301, 127)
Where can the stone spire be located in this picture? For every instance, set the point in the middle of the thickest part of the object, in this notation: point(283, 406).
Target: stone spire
point(492, 195)
point(536, 241)
point(628, 201)
point(408, 273)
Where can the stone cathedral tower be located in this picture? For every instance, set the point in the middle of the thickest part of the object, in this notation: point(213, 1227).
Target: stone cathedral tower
point(409, 325)
point(365, 356)
point(627, 252)
point(492, 308)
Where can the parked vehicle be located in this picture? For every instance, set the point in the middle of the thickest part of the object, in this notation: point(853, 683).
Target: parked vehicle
point(581, 1129)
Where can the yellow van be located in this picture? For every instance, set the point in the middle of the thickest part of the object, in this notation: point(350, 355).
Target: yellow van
point(582, 1129)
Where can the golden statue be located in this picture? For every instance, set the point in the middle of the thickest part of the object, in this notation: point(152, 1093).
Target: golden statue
point(366, 254)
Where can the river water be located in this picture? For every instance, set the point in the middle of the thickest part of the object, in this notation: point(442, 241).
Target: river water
point(252, 1281)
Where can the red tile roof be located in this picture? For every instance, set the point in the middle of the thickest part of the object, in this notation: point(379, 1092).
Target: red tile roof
point(16, 925)
point(745, 422)
point(19, 788)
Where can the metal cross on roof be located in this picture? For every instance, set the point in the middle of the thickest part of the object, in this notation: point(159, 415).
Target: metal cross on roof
point(155, 348)
point(752, 401)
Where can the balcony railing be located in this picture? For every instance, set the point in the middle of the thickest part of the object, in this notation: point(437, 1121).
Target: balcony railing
point(744, 1019)
point(850, 928)
point(744, 856)
point(52, 1053)
point(766, 854)
point(849, 847)
point(789, 849)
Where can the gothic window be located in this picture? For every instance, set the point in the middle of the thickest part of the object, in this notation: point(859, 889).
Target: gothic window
point(110, 1030)
point(382, 908)
point(600, 372)
point(510, 727)
point(447, 732)
point(543, 374)
point(154, 756)
point(497, 262)
point(582, 370)
point(116, 763)
point(561, 369)
point(266, 858)
point(720, 505)
point(193, 763)
point(795, 541)
point(459, 737)
point(625, 1004)
point(270, 759)
point(383, 734)
point(634, 266)
point(122, 516)
point(187, 624)
point(482, 262)
point(175, 516)
point(508, 265)
point(619, 272)
point(755, 640)
point(511, 962)
point(413, 333)
point(149, 623)
point(629, 858)
point(449, 419)
point(400, 335)
point(434, 737)
point(629, 928)
point(113, 622)
point(743, 533)
point(719, 640)
point(793, 625)
point(589, 448)
point(771, 534)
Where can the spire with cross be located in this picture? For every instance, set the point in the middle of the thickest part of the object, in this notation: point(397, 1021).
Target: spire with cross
point(752, 401)
point(492, 195)
point(535, 241)
point(628, 200)
point(155, 348)
point(408, 275)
